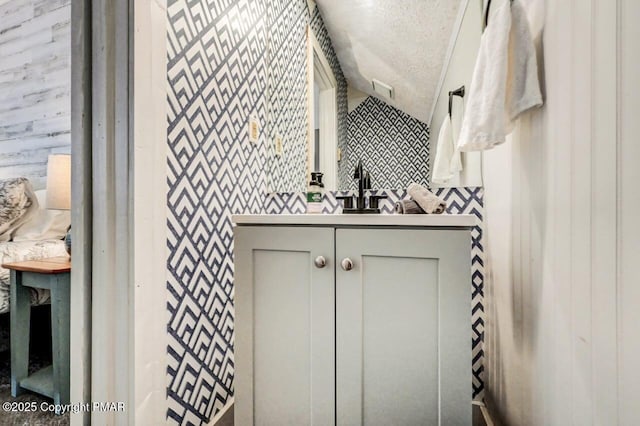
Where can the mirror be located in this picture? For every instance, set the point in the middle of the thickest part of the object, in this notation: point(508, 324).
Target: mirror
point(322, 143)
point(350, 81)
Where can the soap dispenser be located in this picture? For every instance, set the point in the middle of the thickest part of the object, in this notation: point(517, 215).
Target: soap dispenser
point(315, 193)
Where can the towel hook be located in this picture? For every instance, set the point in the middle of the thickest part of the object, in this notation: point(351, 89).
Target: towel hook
point(458, 92)
point(486, 13)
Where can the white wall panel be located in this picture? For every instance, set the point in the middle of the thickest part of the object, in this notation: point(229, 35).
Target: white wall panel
point(628, 208)
point(150, 214)
point(561, 196)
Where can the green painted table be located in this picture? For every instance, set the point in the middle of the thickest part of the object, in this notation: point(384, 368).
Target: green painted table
point(53, 274)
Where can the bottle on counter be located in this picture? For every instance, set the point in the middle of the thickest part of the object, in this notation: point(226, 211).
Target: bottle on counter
point(315, 193)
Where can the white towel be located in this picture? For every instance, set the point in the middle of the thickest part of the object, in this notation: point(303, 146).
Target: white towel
point(447, 162)
point(505, 80)
point(456, 123)
point(523, 86)
point(483, 123)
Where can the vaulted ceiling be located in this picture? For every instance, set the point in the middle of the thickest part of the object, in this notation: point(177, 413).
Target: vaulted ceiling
point(402, 43)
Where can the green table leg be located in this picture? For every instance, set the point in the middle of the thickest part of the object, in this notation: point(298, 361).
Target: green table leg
point(20, 321)
point(60, 326)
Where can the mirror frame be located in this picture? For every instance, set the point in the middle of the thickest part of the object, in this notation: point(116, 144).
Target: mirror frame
point(318, 65)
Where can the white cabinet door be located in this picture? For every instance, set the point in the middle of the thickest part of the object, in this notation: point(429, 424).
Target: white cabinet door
point(403, 327)
point(285, 326)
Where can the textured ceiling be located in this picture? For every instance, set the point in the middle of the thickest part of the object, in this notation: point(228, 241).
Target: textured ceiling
point(400, 42)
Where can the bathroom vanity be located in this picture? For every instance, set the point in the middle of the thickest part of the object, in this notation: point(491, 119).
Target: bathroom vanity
point(353, 319)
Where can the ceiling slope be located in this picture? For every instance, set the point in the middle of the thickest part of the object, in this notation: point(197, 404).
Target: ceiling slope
point(402, 43)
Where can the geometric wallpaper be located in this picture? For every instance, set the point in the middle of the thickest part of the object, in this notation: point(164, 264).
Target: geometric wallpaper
point(393, 146)
point(216, 80)
point(287, 85)
point(287, 99)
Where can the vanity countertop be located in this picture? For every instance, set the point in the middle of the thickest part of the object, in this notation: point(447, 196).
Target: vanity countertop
point(421, 220)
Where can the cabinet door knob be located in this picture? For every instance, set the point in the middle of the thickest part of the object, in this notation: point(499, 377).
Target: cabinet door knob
point(320, 262)
point(347, 264)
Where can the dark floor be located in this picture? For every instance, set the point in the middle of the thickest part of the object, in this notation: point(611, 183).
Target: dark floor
point(227, 419)
point(40, 356)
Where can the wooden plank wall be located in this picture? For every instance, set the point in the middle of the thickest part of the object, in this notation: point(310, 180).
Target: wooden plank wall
point(35, 83)
point(562, 345)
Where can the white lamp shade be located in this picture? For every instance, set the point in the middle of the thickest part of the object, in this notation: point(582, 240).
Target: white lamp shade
point(59, 182)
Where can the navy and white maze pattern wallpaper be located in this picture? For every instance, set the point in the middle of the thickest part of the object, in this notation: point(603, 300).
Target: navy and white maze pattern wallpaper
point(217, 80)
point(288, 102)
point(393, 146)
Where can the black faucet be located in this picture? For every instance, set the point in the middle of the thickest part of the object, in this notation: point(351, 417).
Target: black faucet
point(361, 178)
point(364, 184)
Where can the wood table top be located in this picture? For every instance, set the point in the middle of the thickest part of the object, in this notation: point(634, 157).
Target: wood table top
point(51, 265)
